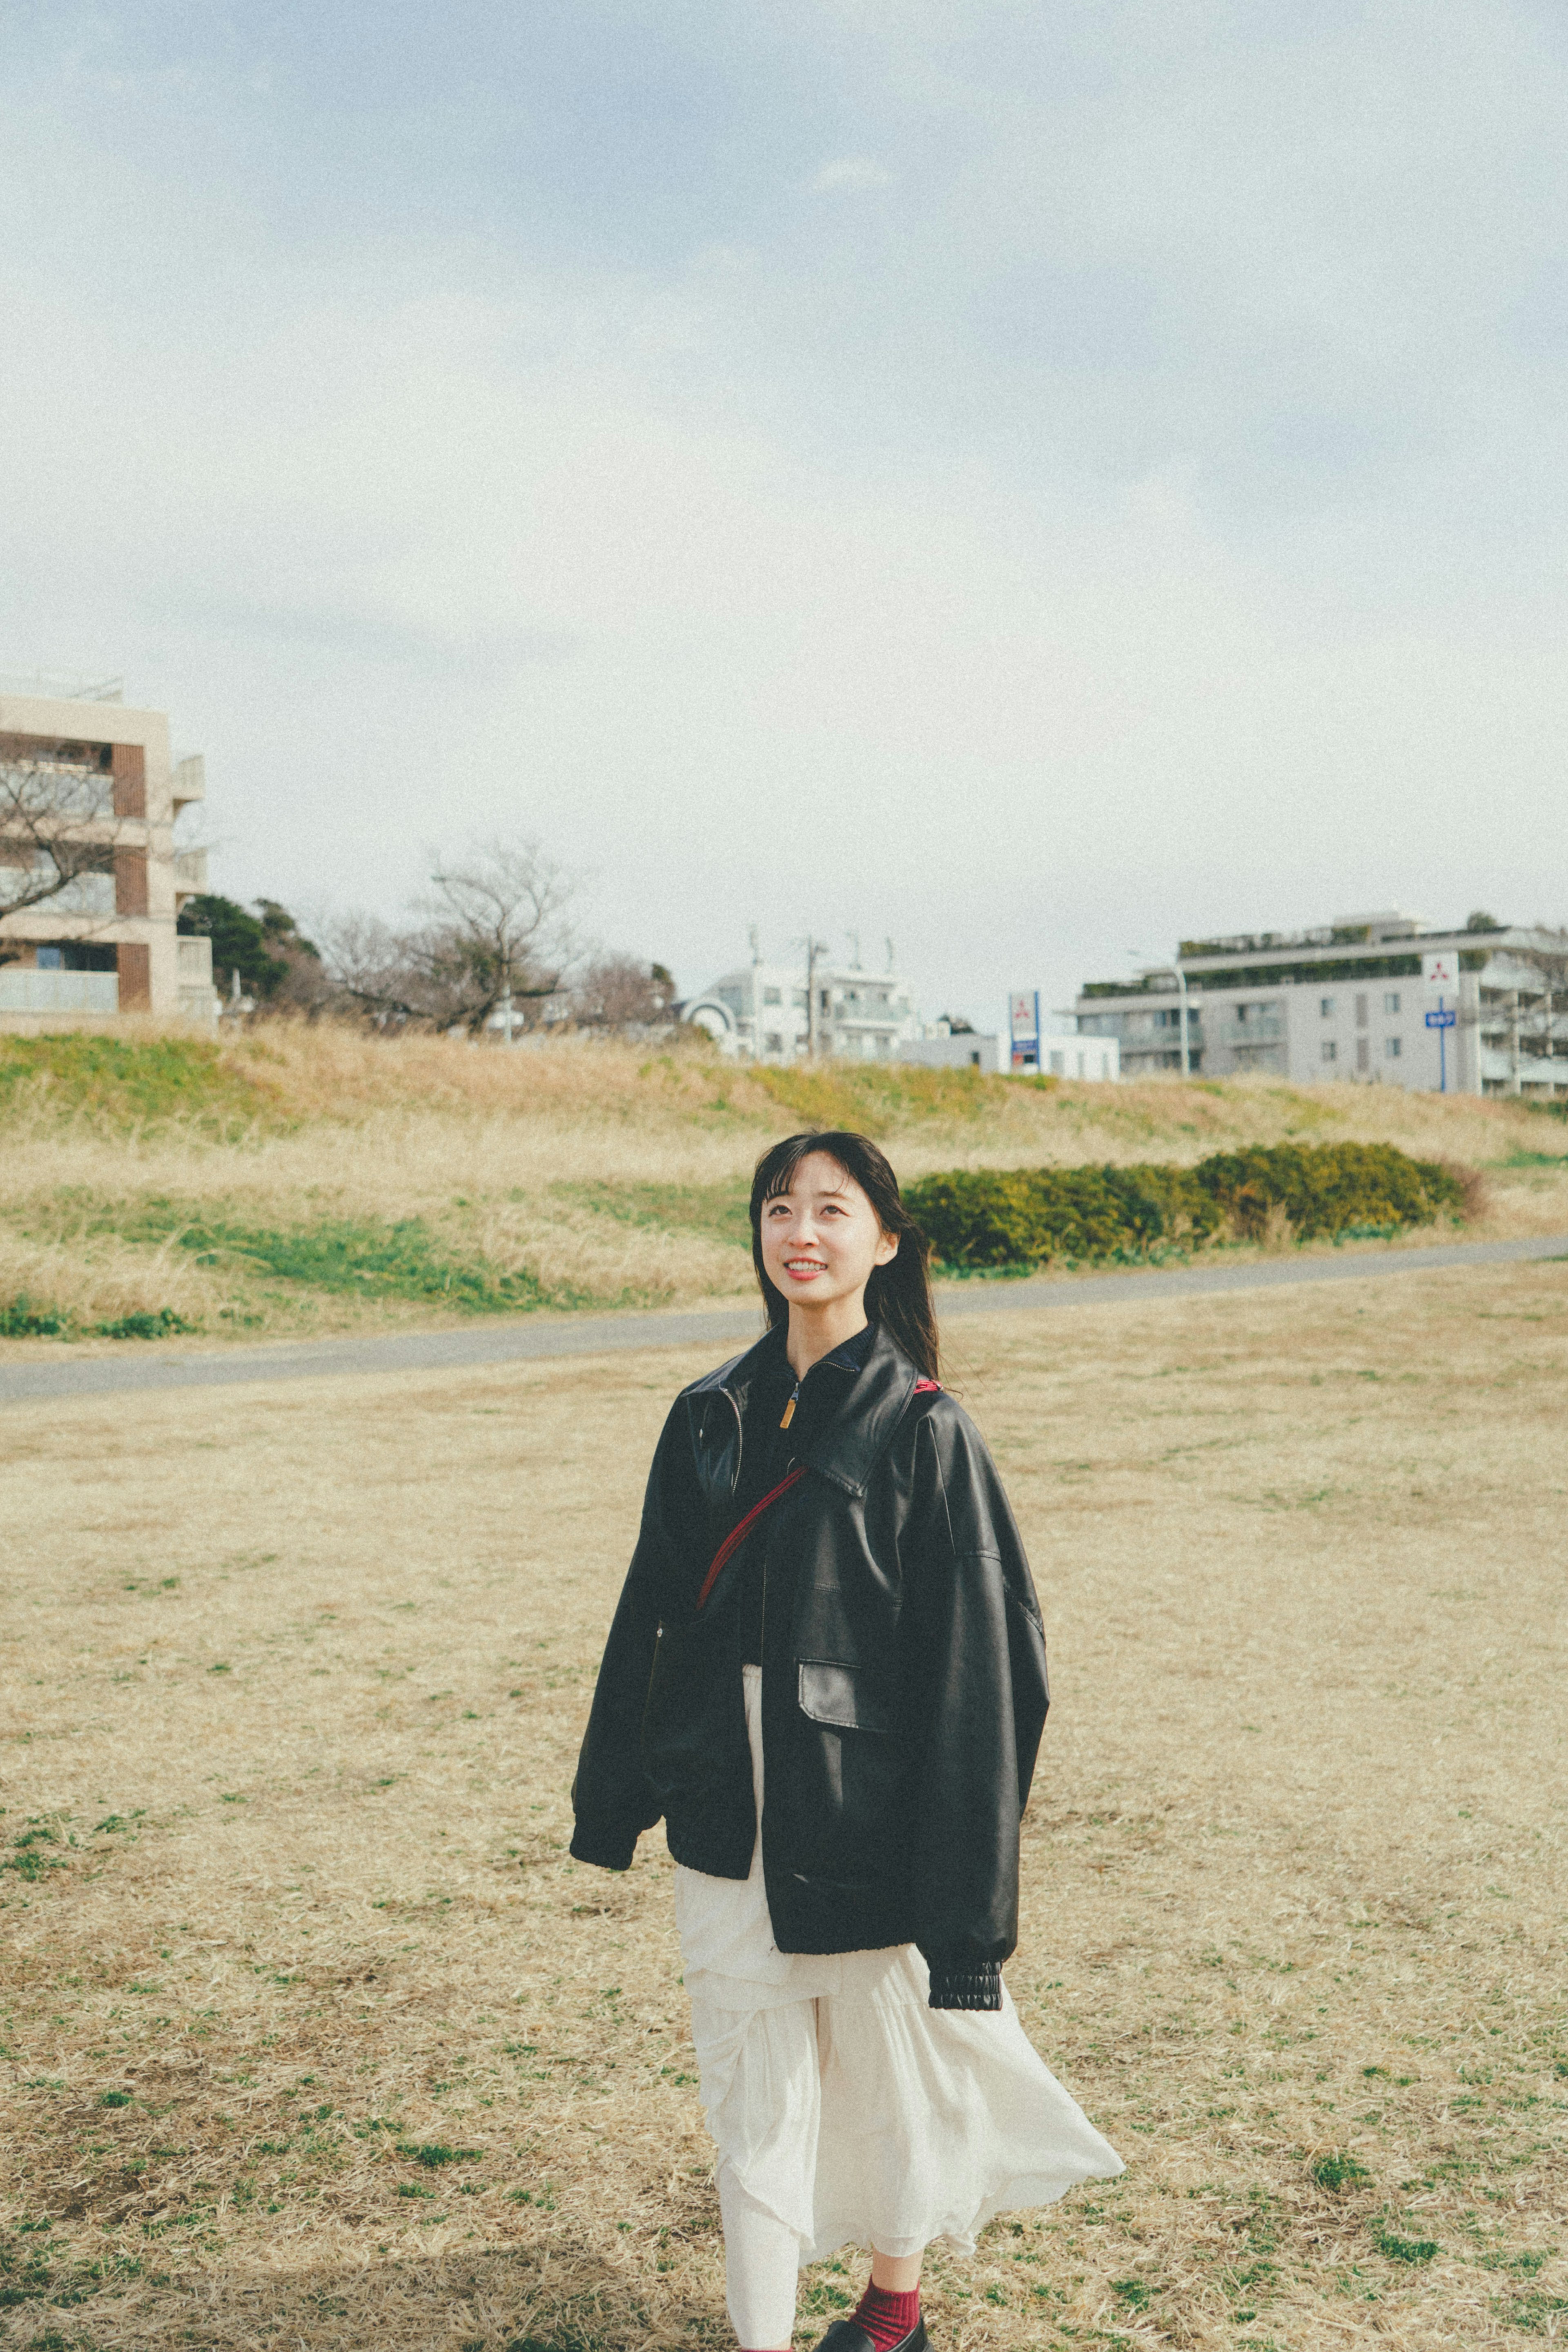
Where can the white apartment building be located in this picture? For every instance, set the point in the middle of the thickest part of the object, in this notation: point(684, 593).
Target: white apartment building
point(941, 1046)
point(764, 1012)
point(1347, 1002)
point(76, 763)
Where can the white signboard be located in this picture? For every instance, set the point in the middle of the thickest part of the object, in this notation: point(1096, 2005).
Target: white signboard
point(1024, 1016)
point(1441, 973)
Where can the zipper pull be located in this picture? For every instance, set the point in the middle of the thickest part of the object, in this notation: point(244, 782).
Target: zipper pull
point(789, 1408)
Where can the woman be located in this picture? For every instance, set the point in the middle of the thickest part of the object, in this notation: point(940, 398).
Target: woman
point(827, 1674)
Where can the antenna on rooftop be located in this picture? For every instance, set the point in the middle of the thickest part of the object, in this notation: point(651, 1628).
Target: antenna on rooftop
point(755, 937)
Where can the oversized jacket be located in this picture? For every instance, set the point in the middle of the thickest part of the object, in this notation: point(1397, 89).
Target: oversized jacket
point(904, 1684)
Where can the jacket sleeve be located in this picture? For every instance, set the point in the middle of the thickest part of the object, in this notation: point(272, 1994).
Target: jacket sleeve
point(978, 1702)
point(612, 1797)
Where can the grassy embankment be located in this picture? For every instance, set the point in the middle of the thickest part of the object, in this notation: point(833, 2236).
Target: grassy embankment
point(313, 2035)
point(298, 1180)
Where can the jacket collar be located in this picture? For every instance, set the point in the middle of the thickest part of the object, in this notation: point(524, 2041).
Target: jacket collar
point(848, 1449)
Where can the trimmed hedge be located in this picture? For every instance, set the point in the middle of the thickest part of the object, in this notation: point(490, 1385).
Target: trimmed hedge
point(1028, 1216)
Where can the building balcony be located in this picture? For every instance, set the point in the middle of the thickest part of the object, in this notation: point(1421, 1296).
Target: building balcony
point(26, 990)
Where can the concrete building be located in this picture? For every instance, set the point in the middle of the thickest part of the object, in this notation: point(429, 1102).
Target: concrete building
point(76, 763)
point(941, 1046)
point(1034, 1050)
point(762, 1013)
point(1348, 1002)
point(1067, 1056)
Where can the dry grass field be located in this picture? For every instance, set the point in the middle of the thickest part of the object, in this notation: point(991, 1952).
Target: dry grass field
point(296, 1181)
point(313, 2037)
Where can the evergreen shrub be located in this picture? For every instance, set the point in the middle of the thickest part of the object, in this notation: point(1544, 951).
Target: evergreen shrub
point(1016, 1217)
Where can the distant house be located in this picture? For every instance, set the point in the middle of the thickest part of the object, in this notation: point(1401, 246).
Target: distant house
point(81, 765)
point(764, 1012)
point(948, 1044)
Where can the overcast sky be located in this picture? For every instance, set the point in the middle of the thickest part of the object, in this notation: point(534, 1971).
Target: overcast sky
point(1031, 480)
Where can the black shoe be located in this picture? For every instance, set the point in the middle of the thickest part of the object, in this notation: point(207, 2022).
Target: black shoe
point(845, 2336)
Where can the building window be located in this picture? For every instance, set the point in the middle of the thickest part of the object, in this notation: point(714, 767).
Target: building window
point(772, 996)
point(775, 1042)
point(1362, 1048)
point(1391, 1002)
point(1361, 1005)
point(1329, 1050)
point(1393, 1047)
point(1325, 1006)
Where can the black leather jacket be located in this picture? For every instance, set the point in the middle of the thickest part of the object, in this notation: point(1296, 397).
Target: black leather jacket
point(904, 1686)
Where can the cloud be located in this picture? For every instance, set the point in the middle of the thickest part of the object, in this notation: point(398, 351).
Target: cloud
point(851, 171)
point(1149, 524)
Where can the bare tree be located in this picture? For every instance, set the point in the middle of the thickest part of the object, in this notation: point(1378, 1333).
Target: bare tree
point(617, 992)
point(53, 815)
point(496, 931)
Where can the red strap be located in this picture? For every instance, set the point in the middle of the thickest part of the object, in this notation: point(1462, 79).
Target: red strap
point(737, 1535)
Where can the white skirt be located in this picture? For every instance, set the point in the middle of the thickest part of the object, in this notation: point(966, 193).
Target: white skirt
point(843, 2103)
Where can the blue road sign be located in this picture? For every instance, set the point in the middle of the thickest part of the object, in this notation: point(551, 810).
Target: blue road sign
point(1442, 1021)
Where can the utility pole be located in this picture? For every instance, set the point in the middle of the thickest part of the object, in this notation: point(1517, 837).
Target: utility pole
point(1513, 1085)
point(815, 949)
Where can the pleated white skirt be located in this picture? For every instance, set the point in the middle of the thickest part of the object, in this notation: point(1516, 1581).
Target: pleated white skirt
point(842, 2103)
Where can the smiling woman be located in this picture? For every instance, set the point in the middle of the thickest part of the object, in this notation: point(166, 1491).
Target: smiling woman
point(827, 1676)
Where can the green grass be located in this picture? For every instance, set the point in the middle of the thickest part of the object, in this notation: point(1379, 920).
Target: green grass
point(20, 1319)
point(719, 1212)
point(347, 1257)
point(873, 1097)
point(128, 1084)
point(1340, 2172)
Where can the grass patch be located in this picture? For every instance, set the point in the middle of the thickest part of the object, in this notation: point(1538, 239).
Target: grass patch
point(130, 1082)
point(1340, 2172)
point(720, 1212)
point(350, 1258)
point(1406, 2249)
point(20, 1319)
point(874, 1098)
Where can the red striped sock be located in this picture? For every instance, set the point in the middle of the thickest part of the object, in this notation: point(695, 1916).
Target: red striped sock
point(886, 2318)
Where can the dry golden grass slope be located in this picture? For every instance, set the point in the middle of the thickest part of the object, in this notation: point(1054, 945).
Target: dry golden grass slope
point(313, 2036)
point(297, 1179)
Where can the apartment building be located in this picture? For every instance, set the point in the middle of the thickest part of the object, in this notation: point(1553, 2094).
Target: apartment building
point(764, 1013)
point(1347, 1001)
point(80, 769)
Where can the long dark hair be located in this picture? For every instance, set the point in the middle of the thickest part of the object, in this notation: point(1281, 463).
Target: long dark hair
point(898, 1295)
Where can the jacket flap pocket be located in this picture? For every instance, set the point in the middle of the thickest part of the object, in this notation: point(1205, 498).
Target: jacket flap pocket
point(841, 1696)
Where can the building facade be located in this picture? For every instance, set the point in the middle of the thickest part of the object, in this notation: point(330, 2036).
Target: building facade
point(97, 777)
point(764, 1012)
point(1348, 1002)
point(941, 1046)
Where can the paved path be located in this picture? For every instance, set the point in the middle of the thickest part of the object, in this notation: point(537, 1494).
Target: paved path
point(591, 1335)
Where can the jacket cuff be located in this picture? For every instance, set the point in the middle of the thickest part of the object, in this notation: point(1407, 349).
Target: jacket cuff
point(606, 1849)
point(977, 1985)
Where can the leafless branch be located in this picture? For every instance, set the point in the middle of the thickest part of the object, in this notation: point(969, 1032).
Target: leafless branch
point(53, 815)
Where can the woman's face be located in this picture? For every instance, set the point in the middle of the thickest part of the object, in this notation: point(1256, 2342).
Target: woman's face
point(820, 1240)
